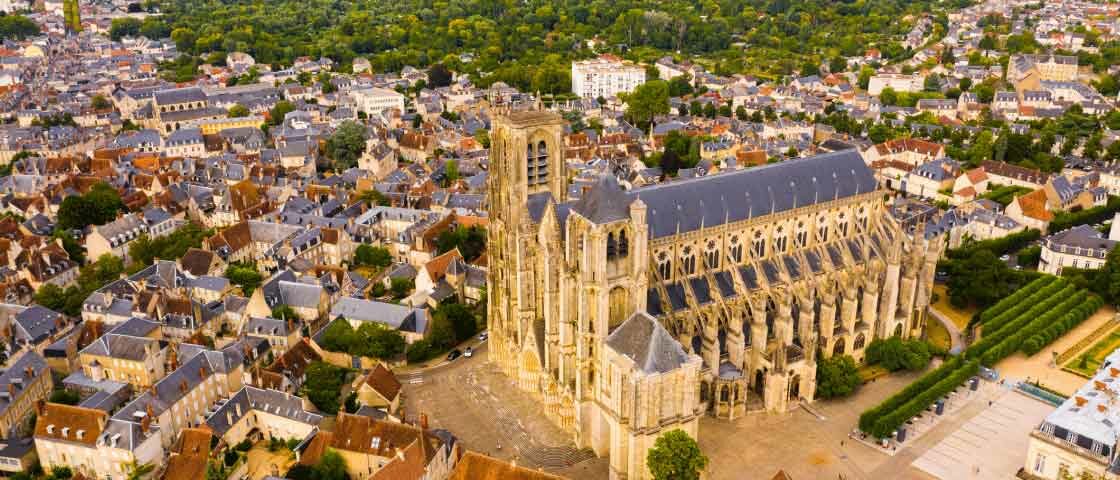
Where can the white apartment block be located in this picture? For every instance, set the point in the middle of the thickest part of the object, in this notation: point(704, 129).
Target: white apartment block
point(605, 77)
point(375, 100)
point(896, 81)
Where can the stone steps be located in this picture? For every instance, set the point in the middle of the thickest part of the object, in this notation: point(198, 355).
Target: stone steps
point(555, 457)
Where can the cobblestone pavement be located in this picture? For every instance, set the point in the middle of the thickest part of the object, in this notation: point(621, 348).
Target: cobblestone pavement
point(991, 445)
point(489, 414)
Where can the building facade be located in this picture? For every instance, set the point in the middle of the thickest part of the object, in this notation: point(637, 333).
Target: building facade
point(747, 273)
point(605, 77)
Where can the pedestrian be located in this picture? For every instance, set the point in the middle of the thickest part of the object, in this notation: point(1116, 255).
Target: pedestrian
point(841, 443)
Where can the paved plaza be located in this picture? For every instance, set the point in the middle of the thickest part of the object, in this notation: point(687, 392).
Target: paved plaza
point(992, 445)
point(489, 414)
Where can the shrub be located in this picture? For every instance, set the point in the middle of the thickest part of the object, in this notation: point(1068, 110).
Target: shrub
point(895, 354)
point(837, 376)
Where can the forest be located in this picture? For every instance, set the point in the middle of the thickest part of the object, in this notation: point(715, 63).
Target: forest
point(528, 44)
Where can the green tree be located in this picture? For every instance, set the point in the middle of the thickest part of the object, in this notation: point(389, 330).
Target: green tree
point(124, 27)
point(331, 466)
point(680, 86)
point(837, 376)
point(676, 456)
point(888, 96)
point(369, 255)
point(471, 241)
point(346, 145)
point(401, 286)
point(238, 111)
point(17, 27)
point(379, 341)
point(339, 336)
point(136, 470)
point(647, 101)
point(374, 197)
point(324, 385)
point(895, 354)
point(285, 312)
point(65, 396)
point(99, 102)
point(244, 275)
point(97, 207)
point(277, 112)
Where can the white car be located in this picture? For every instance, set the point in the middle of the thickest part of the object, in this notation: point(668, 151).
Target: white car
point(469, 352)
point(483, 336)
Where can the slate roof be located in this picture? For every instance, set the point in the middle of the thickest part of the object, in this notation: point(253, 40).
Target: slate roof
point(252, 398)
point(642, 339)
point(17, 376)
point(687, 205)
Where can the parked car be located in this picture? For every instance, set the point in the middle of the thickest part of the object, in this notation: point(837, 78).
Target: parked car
point(469, 352)
point(452, 355)
point(483, 336)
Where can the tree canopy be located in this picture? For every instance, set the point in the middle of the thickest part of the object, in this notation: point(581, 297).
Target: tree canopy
point(676, 456)
point(97, 207)
point(346, 145)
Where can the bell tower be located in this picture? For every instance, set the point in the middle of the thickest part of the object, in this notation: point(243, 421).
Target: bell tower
point(526, 159)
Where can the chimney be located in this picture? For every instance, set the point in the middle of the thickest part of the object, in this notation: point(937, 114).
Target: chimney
point(12, 391)
point(148, 411)
point(40, 408)
point(424, 421)
point(201, 372)
point(145, 423)
point(29, 373)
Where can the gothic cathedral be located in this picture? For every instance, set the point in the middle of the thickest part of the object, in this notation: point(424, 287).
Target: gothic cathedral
point(628, 313)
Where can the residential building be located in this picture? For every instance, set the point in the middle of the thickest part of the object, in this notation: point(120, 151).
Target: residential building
point(605, 76)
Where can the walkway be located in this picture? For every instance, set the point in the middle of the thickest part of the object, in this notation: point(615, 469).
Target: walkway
point(954, 331)
point(991, 445)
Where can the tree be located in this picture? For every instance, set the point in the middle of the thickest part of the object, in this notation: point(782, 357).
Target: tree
point(244, 275)
point(680, 86)
point(97, 207)
point(979, 279)
point(647, 101)
point(451, 170)
point(277, 112)
point(124, 27)
point(371, 256)
point(331, 466)
point(932, 83)
point(837, 376)
point(471, 241)
point(347, 144)
point(965, 84)
point(99, 102)
point(401, 286)
point(65, 396)
point(285, 312)
point(17, 27)
point(676, 456)
point(72, 16)
point(238, 110)
point(895, 354)
point(439, 76)
point(323, 385)
point(379, 341)
point(888, 96)
point(463, 322)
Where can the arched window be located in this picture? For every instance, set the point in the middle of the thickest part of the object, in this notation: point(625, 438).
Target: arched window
point(612, 246)
point(711, 255)
point(858, 344)
point(664, 266)
point(758, 246)
point(822, 229)
point(842, 224)
point(688, 260)
point(736, 249)
point(623, 244)
point(802, 238)
point(779, 241)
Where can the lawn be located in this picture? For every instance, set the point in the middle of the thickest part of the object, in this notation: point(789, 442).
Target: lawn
point(1088, 362)
point(960, 317)
point(937, 335)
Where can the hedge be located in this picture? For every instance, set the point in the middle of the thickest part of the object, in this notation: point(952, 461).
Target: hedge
point(1047, 292)
point(1044, 308)
point(1012, 342)
point(991, 339)
point(1040, 340)
point(1016, 298)
point(890, 422)
point(1065, 220)
point(868, 418)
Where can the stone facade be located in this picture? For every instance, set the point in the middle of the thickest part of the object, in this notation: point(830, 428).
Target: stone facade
point(749, 273)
